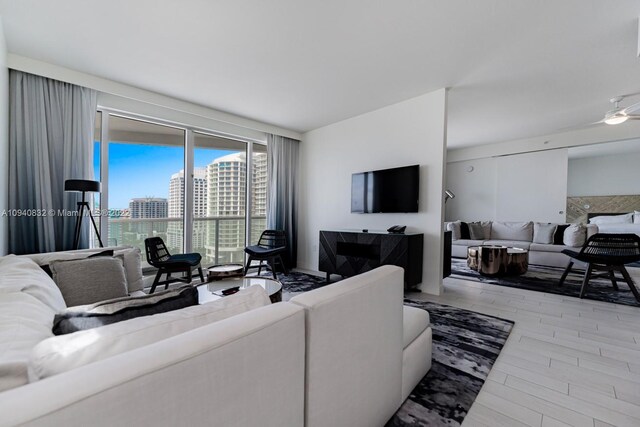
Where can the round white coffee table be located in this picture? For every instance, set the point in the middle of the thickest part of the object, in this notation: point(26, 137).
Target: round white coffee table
point(213, 291)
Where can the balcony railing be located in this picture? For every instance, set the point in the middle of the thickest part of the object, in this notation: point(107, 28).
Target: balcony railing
point(219, 240)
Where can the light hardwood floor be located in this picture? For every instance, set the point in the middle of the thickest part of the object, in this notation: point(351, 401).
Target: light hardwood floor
point(567, 361)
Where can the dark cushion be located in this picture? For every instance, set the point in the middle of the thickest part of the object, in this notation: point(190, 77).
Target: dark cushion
point(476, 231)
point(119, 309)
point(263, 251)
point(464, 231)
point(558, 236)
point(192, 259)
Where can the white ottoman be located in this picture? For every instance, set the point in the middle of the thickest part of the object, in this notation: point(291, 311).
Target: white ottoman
point(416, 345)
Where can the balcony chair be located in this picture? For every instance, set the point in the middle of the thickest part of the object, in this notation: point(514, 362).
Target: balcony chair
point(270, 247)
point(159, 257)
point(608, 253)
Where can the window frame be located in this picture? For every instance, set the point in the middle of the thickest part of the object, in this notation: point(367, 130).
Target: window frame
point(188, 162)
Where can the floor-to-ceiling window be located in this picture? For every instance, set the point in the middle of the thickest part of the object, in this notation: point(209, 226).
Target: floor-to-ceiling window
point(190, 187)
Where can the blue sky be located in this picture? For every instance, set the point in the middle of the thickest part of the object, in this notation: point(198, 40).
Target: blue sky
point(137, 170)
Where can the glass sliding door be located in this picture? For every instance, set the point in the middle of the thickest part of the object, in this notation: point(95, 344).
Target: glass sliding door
point(146, 163)
point(219, 200)
point(258, 192)
point(146, 172)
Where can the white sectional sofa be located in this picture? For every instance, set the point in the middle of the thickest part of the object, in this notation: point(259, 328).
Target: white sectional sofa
point(521, 235)
point(347, 354)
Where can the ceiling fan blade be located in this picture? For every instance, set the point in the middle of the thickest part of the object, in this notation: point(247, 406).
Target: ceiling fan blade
point(631, 109)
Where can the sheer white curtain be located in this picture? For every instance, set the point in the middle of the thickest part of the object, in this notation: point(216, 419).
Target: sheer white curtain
point(282, 169)
point(51, 126)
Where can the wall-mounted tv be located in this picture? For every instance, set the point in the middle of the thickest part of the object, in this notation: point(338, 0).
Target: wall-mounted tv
point(386, 191)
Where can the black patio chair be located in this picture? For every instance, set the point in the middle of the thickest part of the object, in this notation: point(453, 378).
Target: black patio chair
point(270, 247)
point(608, 253)
point(159, 257)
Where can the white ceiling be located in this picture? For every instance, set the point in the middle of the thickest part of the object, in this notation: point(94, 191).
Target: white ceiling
point(516, 68)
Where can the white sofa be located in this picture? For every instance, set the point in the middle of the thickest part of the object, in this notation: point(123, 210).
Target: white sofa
point(334, 356)
point(522, 237)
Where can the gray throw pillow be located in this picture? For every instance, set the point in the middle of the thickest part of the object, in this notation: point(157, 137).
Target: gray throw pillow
point(543, 233)
point(575, 235)
point(119, 309)
point(89, 280)
point(454, 228)
point(486, 227)
point(476, 231)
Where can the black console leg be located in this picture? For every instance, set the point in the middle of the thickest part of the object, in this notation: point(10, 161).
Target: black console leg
point(328, 278)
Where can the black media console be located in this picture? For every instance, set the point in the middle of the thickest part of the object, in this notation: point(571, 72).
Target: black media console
point(348, 253)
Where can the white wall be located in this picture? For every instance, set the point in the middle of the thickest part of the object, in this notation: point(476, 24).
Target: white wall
point(474, 184)
point(532, 186)
point(410, 132)
point(127, 98)
point(521, 187)
point(4, 142)
point(604, 175)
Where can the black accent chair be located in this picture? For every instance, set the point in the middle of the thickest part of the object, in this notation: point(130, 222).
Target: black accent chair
point(608, 253)
point(270, 247)
point(159, 257)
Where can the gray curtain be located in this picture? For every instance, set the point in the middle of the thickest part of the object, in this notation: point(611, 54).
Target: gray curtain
point(51, 127)
point(282, 167)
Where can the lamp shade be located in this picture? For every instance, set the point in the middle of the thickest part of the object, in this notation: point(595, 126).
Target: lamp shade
point(82, 185)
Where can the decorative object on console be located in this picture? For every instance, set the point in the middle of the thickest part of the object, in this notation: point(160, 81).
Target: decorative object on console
point(84, 186)
point(397, 229)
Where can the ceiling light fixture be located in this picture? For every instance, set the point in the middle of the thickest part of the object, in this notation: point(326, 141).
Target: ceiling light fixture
point(616, 120)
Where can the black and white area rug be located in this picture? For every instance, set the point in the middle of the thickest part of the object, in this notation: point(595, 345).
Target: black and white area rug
point(465, 346)
point(296, 283)
point(545, 279)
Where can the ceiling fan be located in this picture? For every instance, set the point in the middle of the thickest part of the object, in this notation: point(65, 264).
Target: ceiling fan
point(620, 115)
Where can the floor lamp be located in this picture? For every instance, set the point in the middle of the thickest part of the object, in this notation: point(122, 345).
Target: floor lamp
point(84, 186)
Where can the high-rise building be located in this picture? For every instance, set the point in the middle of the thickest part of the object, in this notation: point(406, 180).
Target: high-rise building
point(176, 194)
point(143, 208)
point(176, 208)
point(226, 184)
point(148, 207)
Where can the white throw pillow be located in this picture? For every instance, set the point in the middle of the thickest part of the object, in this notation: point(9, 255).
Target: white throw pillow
point(543, 233)
point(25, 321)
point(65, 352)
point(132, 268)
point(575, 235)
point(21, 274)
point(612, 219)
point(636, 217)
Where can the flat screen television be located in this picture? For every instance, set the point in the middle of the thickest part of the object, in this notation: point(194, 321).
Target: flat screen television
point(386, 191)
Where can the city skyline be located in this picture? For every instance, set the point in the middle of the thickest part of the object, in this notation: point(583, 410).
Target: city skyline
point(143, 171)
